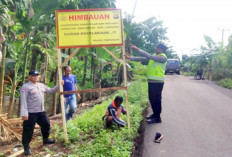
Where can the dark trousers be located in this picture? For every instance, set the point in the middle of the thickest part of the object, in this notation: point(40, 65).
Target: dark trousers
point(155, 96)
point(28, 126)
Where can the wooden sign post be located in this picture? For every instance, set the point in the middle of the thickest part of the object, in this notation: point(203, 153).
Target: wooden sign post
point(126, 91)
point(62, 97)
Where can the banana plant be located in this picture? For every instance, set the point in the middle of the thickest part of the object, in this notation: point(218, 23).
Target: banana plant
point(14, 83)
point(4, 22)
point(32, 16)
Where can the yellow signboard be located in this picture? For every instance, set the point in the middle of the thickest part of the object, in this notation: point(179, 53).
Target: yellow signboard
point(89, 28)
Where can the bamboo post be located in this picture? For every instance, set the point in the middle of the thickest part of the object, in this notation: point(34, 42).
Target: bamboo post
point(125, 80)
point(70, 56)
point(126, 91)
point(17, 153)
point(119, 60)
point(61, 96)
point(94, 90)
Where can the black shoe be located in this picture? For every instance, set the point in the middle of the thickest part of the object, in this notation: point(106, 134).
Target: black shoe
point(150, 117)
point(158, 137)
point(27, 150)
point(48, 141)
point(154, 120)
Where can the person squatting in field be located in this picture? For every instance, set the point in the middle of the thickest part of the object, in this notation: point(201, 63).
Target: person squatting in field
point(113, 112)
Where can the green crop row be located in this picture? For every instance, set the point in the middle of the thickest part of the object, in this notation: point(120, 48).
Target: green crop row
point(88, 136)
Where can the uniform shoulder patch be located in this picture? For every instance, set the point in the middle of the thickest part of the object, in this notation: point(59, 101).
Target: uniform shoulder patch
point(23, 90)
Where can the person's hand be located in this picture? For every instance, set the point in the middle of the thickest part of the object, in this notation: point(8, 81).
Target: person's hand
point(127, 57)
point(62, 82)
point(25, 117)
point(134, 47)
point(78, 97)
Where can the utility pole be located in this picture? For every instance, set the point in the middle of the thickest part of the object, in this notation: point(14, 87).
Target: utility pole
point(223, 30)
point(132, 16)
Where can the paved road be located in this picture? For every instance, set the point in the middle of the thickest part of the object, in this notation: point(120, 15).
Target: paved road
point(197, 120)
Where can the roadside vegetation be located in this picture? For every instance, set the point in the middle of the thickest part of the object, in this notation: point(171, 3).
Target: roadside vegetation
point(227, 83)
point(89, 137)
point(214, 58)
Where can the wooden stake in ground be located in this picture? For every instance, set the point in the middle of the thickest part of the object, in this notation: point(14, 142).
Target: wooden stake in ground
point(70, 56)
point(62, 97)
point(17, 153)
point(126, 91)
point(94, 90)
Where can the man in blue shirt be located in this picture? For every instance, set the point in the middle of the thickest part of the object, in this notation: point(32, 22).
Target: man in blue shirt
point(70, 84)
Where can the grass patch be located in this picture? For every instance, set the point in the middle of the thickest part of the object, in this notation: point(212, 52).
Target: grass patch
point(188, 73)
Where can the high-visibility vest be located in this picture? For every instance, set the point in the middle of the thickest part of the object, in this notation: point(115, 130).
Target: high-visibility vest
point(156, 70)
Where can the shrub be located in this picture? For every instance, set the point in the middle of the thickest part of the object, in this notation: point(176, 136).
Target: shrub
point(227, 83)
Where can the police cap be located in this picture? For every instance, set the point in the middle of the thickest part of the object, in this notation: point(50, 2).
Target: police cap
point(33, 72)
point(162, 47)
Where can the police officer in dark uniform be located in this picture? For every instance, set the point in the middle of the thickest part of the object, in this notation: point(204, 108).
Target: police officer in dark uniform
point(32, 110)
point(155, 78)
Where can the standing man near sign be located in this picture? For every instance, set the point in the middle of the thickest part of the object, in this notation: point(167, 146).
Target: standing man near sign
point(70, 84)
point(32, 110)
point(155, 78)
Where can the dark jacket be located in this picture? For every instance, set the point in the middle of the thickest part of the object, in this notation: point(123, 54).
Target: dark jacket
point(112, 111)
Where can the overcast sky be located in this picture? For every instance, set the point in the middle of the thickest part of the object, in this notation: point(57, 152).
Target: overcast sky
point(187, 20)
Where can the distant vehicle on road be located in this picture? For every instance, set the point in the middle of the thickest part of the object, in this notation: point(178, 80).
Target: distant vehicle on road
point(173, 66)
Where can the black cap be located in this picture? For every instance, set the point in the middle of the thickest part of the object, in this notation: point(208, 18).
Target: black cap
point(162, 47)
point(33, 72)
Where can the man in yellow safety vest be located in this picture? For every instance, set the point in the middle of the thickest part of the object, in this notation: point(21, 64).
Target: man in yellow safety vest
point(155, 77)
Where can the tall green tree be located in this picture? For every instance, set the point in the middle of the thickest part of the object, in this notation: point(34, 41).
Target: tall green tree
point(146, 35)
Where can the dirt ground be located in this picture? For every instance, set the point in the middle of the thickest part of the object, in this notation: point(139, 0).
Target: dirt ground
point(7, 148)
